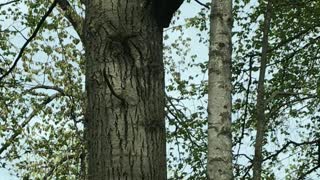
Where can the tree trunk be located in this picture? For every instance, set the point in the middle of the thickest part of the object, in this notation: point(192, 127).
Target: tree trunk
point(219, 94)
point(260, 106)
point(125, 90)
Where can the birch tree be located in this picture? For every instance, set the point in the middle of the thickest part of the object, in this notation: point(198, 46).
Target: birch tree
point(219, 92)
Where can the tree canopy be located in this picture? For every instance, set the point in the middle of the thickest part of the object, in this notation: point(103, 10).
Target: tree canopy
point(42, 99)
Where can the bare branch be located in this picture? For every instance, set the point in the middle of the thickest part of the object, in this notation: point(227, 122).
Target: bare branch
point(47, 87)
point(246, 156)
point(202, 4)
point(7, 3)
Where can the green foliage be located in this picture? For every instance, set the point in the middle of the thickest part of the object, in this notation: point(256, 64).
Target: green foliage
point(291, 84)
point(42, 100)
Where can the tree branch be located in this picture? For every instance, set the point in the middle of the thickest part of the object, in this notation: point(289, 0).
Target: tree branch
point(278, 93)
point(275, 109)
point(243, 123)
point(308, 172)
point(278, 152)
point(47, 87)
point(34, 34)
point(7, 3)
point(17, 132)
point(76, 21)
point(288, 40)
point(54, 167)
point(287, 145)
point(202, 4)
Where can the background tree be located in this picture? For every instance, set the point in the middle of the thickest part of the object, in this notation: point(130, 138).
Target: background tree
point(260, 116)
point(42, 101)
point(291, 101)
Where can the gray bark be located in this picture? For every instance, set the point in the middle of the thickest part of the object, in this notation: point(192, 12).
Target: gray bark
point(219, 93)
point(125, 90)
point(260, 106)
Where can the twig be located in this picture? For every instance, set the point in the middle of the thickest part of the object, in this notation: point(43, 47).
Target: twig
point(34, 34)
point(308, 172)
point(7, 3)
point(287, 145)
point(202, 4)
point(72, 16)
point(12, 138)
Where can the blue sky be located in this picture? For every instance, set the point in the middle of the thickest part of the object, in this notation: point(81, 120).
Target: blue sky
point(187, 10)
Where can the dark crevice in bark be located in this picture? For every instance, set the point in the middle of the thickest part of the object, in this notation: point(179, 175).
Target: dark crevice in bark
point(123, 89)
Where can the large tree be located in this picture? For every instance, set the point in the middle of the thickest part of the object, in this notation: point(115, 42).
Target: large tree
point(42, 99)
point(124, 114)
point(125, 90)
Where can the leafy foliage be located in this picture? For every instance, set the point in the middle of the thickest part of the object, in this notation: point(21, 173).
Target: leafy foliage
point(42, 101)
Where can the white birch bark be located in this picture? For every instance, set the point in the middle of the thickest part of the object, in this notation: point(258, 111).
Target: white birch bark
point(219, 92)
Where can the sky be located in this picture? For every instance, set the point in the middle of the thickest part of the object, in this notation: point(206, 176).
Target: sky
point(187, 10)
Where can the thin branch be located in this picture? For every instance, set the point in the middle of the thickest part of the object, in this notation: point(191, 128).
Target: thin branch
point(17, 132)
point(72, 16)
point(299, 49)
point(180, 120)
point(54, 167)
point(277, 93)
point(47, 87)
point(308, 172)
point(246, 156)
point(7, 3)
point(247, 172)
point(18, 31)
point(202, 4)
point(287, 145)
point(243, 124)
point(288, 40)
point(275, 109)
point(277, 153)
point(34, 34)
point(189, 135)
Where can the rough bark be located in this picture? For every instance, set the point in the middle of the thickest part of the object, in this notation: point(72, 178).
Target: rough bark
point(260, 106)
point(219, 93)
point(125, 90)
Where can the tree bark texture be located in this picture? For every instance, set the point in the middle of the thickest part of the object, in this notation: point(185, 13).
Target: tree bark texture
point(125, 90)
point(219, 93)
point(260, 106)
